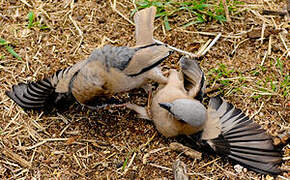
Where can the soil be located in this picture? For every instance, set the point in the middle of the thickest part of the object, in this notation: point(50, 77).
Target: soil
point(112, 143)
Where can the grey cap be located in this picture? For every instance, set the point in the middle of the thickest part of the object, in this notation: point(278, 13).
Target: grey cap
point(187, 110)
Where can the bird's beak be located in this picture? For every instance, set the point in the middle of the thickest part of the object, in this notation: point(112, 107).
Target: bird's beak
point(166, 106)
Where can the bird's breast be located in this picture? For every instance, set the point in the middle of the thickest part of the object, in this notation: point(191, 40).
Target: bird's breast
point(91, 84)
point(164, 121)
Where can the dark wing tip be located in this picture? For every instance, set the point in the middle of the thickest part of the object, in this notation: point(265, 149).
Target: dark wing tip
point(33, 95)
point(187, 63)
point(193, 76)
point(215, 102)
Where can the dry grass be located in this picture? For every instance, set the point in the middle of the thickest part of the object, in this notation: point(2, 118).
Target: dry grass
point(112, 143)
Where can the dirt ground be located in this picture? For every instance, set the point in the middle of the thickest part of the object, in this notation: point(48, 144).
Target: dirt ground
point(113, 143)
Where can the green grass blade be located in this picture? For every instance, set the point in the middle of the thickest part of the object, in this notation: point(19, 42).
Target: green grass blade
point(11, 51)
point(3, 42)
point(30, 19)
point(166, 23)
point(125, 164)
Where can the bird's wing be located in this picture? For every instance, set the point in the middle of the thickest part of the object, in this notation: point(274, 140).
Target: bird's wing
point(147, 58)
point(32, 95)
point(144, 23)
point(45, 92)
point(63, 81)
point(148, 53)
point(241, 139)
point(194, 79)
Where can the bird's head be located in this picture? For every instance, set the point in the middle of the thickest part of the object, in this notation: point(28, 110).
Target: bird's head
point(188, 110)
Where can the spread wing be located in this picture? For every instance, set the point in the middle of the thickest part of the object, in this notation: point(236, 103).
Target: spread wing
point(45, 92)
point(240, 139)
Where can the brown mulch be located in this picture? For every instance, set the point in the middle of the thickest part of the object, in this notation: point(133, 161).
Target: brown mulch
point(113, 143)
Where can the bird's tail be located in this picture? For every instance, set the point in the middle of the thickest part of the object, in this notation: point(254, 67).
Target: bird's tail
point(194, 79)
point(37, 95)
point(243, 140)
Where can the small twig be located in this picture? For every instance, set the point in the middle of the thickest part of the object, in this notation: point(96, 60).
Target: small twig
point(210, 162)
point(264, 58)
point(16, 158)
point(26, 3)
point(64, 129)
point(226, 10)
point(12, 120)
point(79, 31)
point(258, 110)
point(176, 49)
point(130, 163)
point(227, 172)
point(286, 52)
point(78, 162)
point(111, 155)
point(113, 6)
point(76, 25)
point(270, 45)
point(161, 167)
point(282, 177)
point(186, 150)
point(235, 36)
point(199, 174)
point(151, 152)
point(270, 12)
point(260, 16)
point(33, 155)
point(284, 43)
point(236, 47)
point(149, 140)
point(212, 43)
point(43, 142)
point(203, 47)
point(263, 32)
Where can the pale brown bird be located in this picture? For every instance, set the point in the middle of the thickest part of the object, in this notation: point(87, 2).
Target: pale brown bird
point(225, 129)
point(108, 70)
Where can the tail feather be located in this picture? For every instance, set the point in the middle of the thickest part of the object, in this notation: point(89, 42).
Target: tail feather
point(244, 141)
point(257, 166)
point(256, 151)
point(256, 157)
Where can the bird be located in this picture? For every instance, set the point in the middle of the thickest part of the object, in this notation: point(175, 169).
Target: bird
point(177, 110)
point(108, 70)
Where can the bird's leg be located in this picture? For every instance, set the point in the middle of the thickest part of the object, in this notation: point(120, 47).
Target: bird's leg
point(112, 102)
point(193, 92)
point(97, 107)
point(156, 75)
point(142, 112)
point(147, 88)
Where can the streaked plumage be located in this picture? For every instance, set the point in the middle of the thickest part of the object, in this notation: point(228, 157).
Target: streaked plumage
point(108, 70)
point(226, 129)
